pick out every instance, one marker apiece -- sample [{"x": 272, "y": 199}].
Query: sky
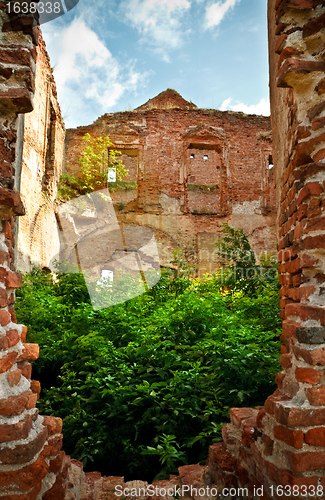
[{"x": 114, "y": 55}]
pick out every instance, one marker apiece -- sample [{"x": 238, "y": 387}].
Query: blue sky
[{"x": 114, "y": 55}]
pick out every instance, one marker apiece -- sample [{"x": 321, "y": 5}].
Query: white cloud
[
  {"x": 216, "y": 12},
  {"x": 86, "y": 73},
  {"x": 225, "y": 104},
  {"x": 262, "y": 108},
  {"x": 158, "y": 21}
]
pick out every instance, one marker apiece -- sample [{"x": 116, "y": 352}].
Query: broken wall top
[{"x": 169, "y": 98}]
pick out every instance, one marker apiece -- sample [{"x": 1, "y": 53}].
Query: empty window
[
  {"x": 192, "y": 156},
  {"x": 205, "y": 157}
]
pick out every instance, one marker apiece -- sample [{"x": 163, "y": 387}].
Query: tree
[
  {"x": 97, "y": 160},
  {"x": 240, "y": 270}
]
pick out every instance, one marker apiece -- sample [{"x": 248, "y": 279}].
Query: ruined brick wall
[
  {"x": 31, "y": 463},
  {"x": 42, "y": 159},
  {"x": 282, "y": 443},
  {"x": 195, "y": 169}
]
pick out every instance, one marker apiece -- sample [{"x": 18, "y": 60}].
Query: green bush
[
  {"x": 240, "y": 271},
  {"x": 149, "y": 382}
]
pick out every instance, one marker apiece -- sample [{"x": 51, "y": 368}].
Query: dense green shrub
[
  {"x": 159, "y": 371},
  {"x": 240, "y": 270}
]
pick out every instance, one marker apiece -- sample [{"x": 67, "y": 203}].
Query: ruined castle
[
  {"x": 191, "y": 170},
  {"x": 280, "y": 443}
]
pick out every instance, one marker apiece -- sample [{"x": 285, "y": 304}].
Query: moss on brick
[
  {"x": 122, "y": 186},
  {"x": 203, "y": 187}
]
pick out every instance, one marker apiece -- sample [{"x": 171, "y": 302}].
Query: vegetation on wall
[
  {"x": 203, "y": 187},
  {"x": 122, "y": 186},
  {"x": 145, "y": 386},
  {"x": 96, "y": 161}
]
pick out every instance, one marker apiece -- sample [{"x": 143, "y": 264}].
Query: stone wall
[
  {"x": 30, "y": 459},
  {"x": 42, "y": 160},
  {"x": 32, "y": 467},
  {"x": 282, "y": 443},
  {"x": 195, "y": 169}
]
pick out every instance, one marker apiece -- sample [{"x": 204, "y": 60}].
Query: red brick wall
[
  {"x": 30, "y": 458},
  {"x": 282, "y": 442},
  {"x": 130, "y": 161},
  {"x": 162, "y": 135},
  {"x": 234, "y": 184}
]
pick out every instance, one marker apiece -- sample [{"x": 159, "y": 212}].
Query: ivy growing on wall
[{"x": 97, "y": 160}]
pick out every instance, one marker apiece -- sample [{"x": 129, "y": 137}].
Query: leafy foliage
[
  {"x": 96, "y": 161},
  {"x": 148, "y": 383},
  {"x": 240, "y": 270},
  {"x": 168, "y": 451}
]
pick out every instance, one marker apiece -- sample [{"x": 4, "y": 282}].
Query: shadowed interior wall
[{"x": 42, "y": 159}]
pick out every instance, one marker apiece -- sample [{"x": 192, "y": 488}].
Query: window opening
[
  {"x": 49, "y": 171},
  {"x": 203, "y": 178}
]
